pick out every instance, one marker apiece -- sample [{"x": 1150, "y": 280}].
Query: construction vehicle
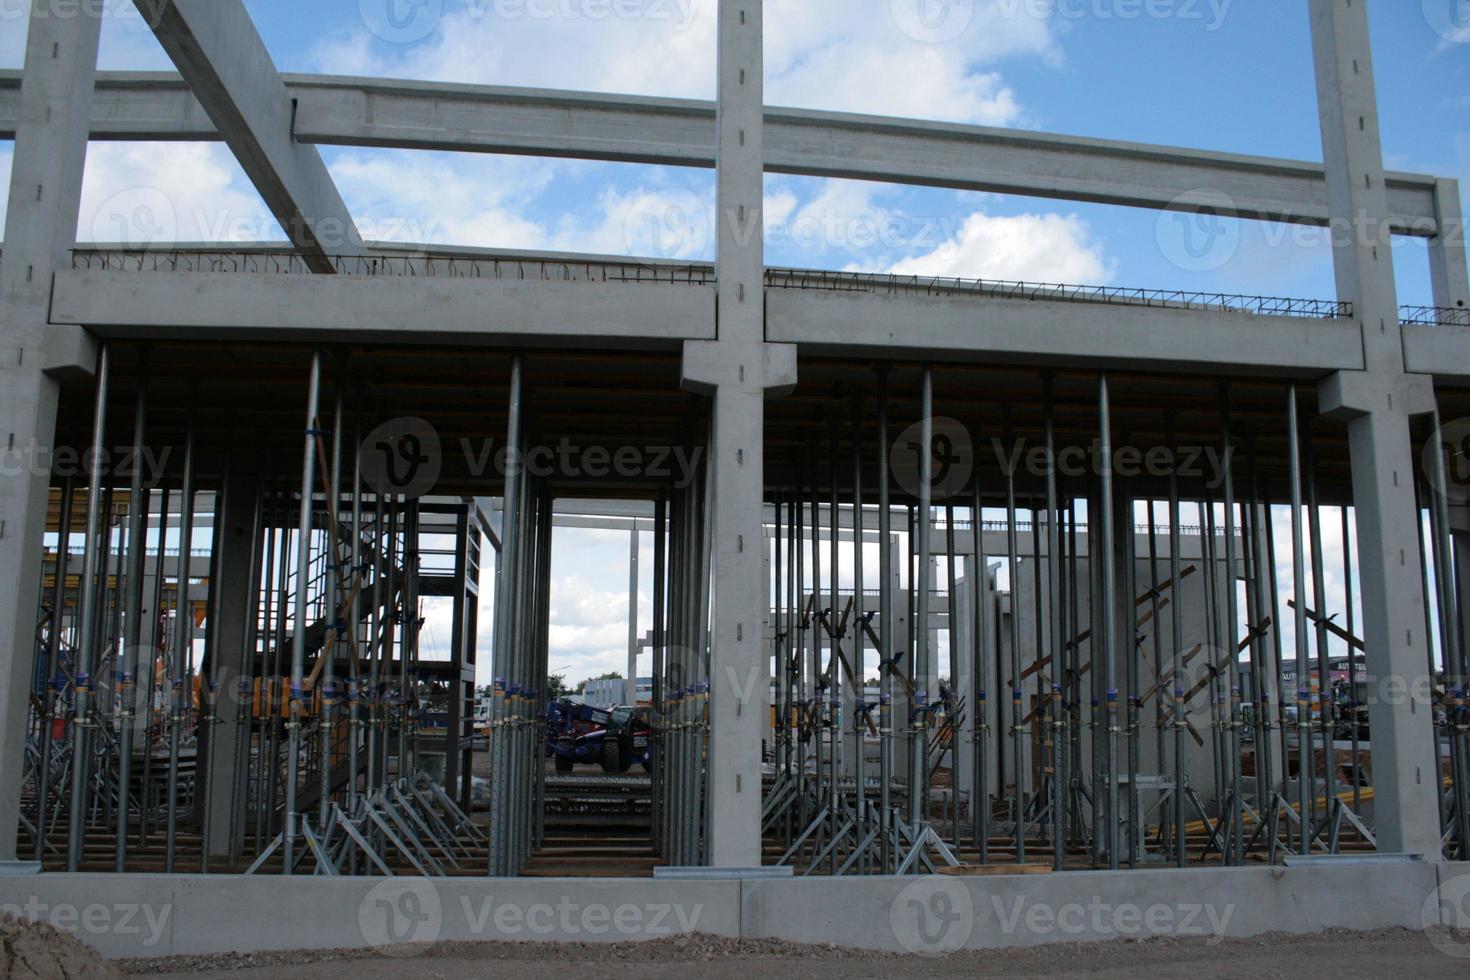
[{"x": 614, "y": 738}]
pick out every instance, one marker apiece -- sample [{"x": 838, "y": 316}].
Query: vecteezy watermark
[
  {"x": 147, "y": 217},
  {"x": 952, "y": 458},
  {"x": 400, "y": 916},
  {"x": 410, "y": 21},
  {"x": 1448, "y": 448},
  {"x": 1209, "y": 13},
  {"x": 1450, "y": 19},
  {"x": 144, "y": 920},
  {"x": 70, "y": 9},
  {"x": 1194, "y": 233},
  {"x": 1097, "y": 917},
  {"x": 405, "y": 456},
  {"x": 933, "y": 915},
  {"x": 932, "y": 21},
  {"x": 1446, "y": 917},
  {"x": 33, "y": 458},
  {"x": 1206, "y": 463},
  {"x": 674, "y": 223}
]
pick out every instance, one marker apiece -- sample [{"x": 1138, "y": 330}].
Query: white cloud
[
  {"x": 127, "y": 42},
  {"x": 163, "y": 193},
  {"x": 849, "y": 55},
  {"x": 1032, "y": 247}
]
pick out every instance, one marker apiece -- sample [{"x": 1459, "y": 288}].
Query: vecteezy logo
[
  {"x": 1451, "y": 444},
  {"x": 670, "y": 224},
  {"x": 139, "y": 217},
  {"x": 402, "y": 456},
  {"x": 401, "y": 21},
  {"x": 953, "y": 459},
  {"x": 398, "y": 915},
  {"x": 1194, "y": 232},
  {"x": 933, "y": 915},
  {"x": 1446, "y": 917},
  {"x": 932, "y": 21},
  {"x": 1450, "y": 19}
]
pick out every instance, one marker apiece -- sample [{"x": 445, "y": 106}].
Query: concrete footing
[{"x": 143, "y": 915}]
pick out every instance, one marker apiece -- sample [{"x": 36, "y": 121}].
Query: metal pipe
[
  {"x": 49, "y": 661},
  {"x": 178, "y": 674},
  {"x": 1018, "y": 794},
  {"x": 1109, "y": 615},
  {"x": 918, "y": 791},
  {"x": 137, "y": 551},
  {"x": 86, "y": 652},
  {"x": 1299, "y": 574},
  {"x": 298, "y": 635}
]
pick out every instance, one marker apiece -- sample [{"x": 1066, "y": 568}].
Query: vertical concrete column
[
  {"x": 40, "y": 227},
  {"x": 1378, "y": 404},
  {"x": 737, "y": 370},
  {"x": 235, "y": 534},
  {"x": 1447, "y": 267}
]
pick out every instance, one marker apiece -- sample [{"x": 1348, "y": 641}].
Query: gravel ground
[{"x": 1341, "y": 955}]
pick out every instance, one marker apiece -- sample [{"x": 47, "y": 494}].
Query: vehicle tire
[
  {"x": 612, "y": 757},
  {"x": 563, "y": 764}
]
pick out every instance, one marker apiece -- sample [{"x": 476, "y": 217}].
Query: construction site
[{"x": 965, "y": 592}]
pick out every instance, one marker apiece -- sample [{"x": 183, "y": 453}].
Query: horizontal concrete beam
[
  {"x": 1442, "y": 351},
  {"x": 221, "y": 56},
  {"x": 426, "y": 115},
  {"x": 383, "y": 310},
  {"x": 971, "y": 328}
]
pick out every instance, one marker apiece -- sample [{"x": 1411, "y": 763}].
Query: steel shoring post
[
  {"x": 245, "y": 685},
  {"x": 919, "y": 713},
  {"x": 886, "y": 615},
  {"x": 952, "y": 631},
  {"x": 80, "y": 776},
  {"x": 299, "y": 614},
  {"x": 835, "y": 674},
  {"x": 701, "y": 754},
  {"x": 1259, "y": 618},
  {"x": 133, "y": 626},
  {"x": 508, "y": 586},
  {"x": 354, "y": 690},
  {"x": 1298, "y": 567},
  {"x": 1073, "y": 653},
  {"x": 1131, "y": 675},
  {"x": 1054, "y": 625},
  {"x": 209, "y": 681},
  {"x": 1108, "y": 516},
  {"x": 859, "y": 621},
  {"x": 980, "y": 679},
  {"x": 1347, "y": 592},
  {"x": 658, "y": 789},
  {"x": 1325, "y": 699},
  {"x": 331, "y": 627},
  {"x": 178, "y": 673},
  {"x": 1232, "y": 628},
  {"x": 1178, "y": 706},
  {"x": 1450, "y": 641},
  {"x": 1278, "y": 665},
  {"x": 1018, "y": 799},
  {"x": 376, "y": 621},
  {"x": 48, "y": 667}
]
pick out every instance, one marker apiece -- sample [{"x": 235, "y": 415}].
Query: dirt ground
[{"x": 1341, "y": 955}]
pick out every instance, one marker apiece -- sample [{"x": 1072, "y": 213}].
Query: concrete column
[
  {"x": 1378, "y": 404},
  {"x": 235, "y": 533},
  {"x": 40, "y": 227},
  {"x": 1447, "y": 268}
]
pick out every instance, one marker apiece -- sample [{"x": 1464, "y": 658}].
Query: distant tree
[{"x": 556, "y": 687}]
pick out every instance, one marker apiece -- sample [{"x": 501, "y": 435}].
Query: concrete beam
[
  {"x": 968, "y": 328},
  {"x": 1442, "y": 351},
  {"x": 385, "y": 309},
  {"x": 220, "y": 55},
  {"x": 538, "y": 122}
]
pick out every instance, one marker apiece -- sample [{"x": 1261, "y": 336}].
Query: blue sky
[{"x": 1228, "y": 75}]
